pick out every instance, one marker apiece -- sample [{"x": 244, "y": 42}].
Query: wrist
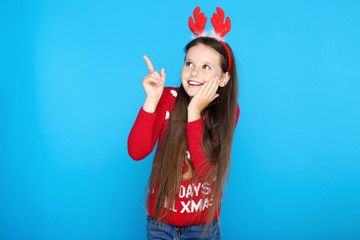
[
  {"x": 150, "y": 104},
  {"x": 192, "y": 108},
  {"x": 193, "y": 115}
]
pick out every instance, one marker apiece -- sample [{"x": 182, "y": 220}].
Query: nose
[{"x": 195, "y": 72}]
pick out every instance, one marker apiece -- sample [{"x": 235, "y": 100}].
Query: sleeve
[
  {"x": 195, "y": 131},
  {"x": 237, "y": 115},
  {"x": 146, "y": 131}
]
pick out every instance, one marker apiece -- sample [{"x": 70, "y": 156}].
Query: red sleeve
[
  {"x": 237, "y": 115},
  {"x": 195, "y": 131},
  {"x": 146, "y": 131}
]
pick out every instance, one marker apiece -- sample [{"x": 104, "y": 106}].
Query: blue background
[{"x": 70, "y": 90}]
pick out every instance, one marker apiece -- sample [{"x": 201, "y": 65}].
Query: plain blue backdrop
[{"x": 70, "y": 90}]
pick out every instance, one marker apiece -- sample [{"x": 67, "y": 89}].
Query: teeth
[{"x": 194, "y": 83}]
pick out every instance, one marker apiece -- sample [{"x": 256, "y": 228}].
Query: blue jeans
[{"x": 166, "y": 231}]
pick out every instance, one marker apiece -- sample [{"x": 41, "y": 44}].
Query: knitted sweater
[{"x": 193, "y": 199}]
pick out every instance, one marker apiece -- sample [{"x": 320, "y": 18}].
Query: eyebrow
[{"x": 207, "y": 63}]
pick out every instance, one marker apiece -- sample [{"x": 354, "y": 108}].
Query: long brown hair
[{"x": 219, "y": 125}]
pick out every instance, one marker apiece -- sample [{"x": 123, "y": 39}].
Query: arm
[
  {"x": 148, "y": 124},
  {"x": 146, "y": 131},
  {"x": 195, "y": 130}
]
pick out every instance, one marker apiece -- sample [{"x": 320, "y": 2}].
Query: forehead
[{"x": 203, "y": 53}]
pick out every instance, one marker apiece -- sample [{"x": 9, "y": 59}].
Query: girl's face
[{"x": 202, "y": 64}]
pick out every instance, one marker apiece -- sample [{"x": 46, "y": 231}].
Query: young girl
[{"x": 194, "y": 125}]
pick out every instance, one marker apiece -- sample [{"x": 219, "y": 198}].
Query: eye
[
  {"x": 206, "y": 67},
  {"x": 188, "y": 64}
]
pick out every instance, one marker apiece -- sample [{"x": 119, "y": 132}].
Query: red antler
[
  {"x": 217, "y": 21},
  {"x": 198, "y": 26}
]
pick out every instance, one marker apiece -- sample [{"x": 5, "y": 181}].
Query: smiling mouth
[{"x": 193, "y": 83}]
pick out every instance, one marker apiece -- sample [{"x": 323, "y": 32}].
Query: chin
[{"x": 190, "y": 91}]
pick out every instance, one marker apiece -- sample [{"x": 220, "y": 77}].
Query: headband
[{"x": 220, "y": 28}]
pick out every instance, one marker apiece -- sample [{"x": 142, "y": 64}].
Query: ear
[{"x": 224, "y": 79}]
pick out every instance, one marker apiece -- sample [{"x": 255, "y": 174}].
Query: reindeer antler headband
[{"x": 220, "y": 28}]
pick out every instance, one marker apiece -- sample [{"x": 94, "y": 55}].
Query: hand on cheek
[{"x": 203, "y": 98}]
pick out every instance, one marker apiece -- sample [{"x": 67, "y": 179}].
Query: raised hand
[
  {"x": 203, "y": 98},
  {"x": 153, "y": 84}
]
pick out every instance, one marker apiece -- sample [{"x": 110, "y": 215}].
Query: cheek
[
  {"x": 209, "y": 76},
  {"x": 182, "y": 75},
  {"x": 184, "y": 72}
]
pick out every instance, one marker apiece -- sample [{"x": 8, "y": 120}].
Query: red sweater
[{"x": 147, "y": 129}]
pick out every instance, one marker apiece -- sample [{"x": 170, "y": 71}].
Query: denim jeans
[{"x": 169, "y": 232}]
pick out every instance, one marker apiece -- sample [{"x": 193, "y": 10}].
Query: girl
[{"x": 194, "y": 125}]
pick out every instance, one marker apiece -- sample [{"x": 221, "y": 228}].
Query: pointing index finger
[{"x": 149, "y": 64}]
